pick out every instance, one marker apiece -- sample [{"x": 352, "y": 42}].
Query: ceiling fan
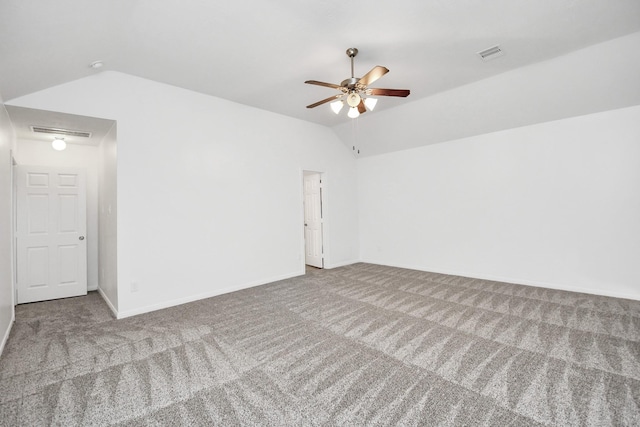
[{"x": 354, "y": 90}]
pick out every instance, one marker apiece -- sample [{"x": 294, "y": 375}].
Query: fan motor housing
[{"x": 350, "y": 83}]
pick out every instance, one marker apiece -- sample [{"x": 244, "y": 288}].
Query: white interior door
[
  {"x": 313, "y": 220},
  {"x": 51, "y": 249}
]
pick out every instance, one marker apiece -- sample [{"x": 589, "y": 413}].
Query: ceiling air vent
[
  {"x": 491, "y": 53},
  {"x": 59, "y": 131}
]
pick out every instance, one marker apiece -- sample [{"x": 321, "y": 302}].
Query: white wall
[
  {"x": 31, "y": 152},
  {"x": 555, "y": 204},
  {"x": 108, "y": 214},
  {"x": 209, "y": 192},
  {"x": 7, "y": 144}
]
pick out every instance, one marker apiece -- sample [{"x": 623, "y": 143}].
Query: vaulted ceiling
[{"x": 259, "y": 52}]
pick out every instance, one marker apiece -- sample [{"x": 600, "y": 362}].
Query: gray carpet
[{"x": 358, "y": 345}]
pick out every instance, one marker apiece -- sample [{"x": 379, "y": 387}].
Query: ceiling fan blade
[
  {"x": 324, "y": 101},
  {"x": 361, "y": 107},
  {"x": 373, "y": 75},
  {"x": 315, "y": 82},
  {"x": 389, "y": 92}
]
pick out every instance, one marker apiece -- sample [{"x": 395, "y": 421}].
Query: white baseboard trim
[
  {"x": 340, "y": 264},
  {"x": 184, "y": 300},
  {"x": 108, "y": 302},
  {"x": 497, "y": 278},
  {"x": 92, "y": 288},
  {"x": 5, "y": 338}
]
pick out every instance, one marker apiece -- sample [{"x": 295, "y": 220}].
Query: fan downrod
[{"x": 351, "y": 53}]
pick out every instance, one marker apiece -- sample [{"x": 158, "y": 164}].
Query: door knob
[{"x": 81, "y": 237}]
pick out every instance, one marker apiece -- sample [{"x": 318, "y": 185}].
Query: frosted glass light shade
[
  {"x": 337, "y": 106},
  {"x": 59, "y": 144},
  {"x": 353, "y": 112},
  {"x": 370, "y": 103}
]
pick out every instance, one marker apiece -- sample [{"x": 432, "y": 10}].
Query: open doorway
[{"x": 313, "y": 220}]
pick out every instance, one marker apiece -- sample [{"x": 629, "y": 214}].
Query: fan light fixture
[
  {"x": 354, "y": 89},
  {"x": 58, "y": 144},
  {"x": 337, "y": 106},
  {"x": 354, "y": 102},
  {"x": 353, "y": 112},
  {"x": 370, "y": 103}
]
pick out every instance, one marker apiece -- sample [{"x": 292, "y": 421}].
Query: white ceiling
[{"x": 259, "y": 52}]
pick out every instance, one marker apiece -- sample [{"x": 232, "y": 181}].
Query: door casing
[
  {"x": 313, "y": 219},
  {"x": 51, "y": 249}
]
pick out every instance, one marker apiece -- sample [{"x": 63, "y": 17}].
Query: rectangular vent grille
[
  {"x": 59, "y": 131},
  {"x": 491, "y": 53}
]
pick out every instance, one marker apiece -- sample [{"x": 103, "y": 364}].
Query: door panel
[
  {"x": 38, "y": 261},
  {"x": 68, "y": 261},
  {"x": 313, "y": 220},
  {"x": 68, "y": 214},
  {"x": 35, "y": 179},
  {"x": 67, "y": 180},
  {"x": 38, "y": 214},
  {"x": 51, "y": 252}
]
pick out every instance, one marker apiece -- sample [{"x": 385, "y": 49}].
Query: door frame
[
  {"x": 13, "y": 236},
  {"x": 15, "y": 233},
  {"x": 325, "y": 222}
]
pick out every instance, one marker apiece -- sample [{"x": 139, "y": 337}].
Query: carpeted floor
[{"x": 358, "y": 345}]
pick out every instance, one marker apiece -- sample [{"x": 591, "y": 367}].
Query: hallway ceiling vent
[
  {"x": 491, "y": 53},
  {"x": 59, "y": 131}
]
